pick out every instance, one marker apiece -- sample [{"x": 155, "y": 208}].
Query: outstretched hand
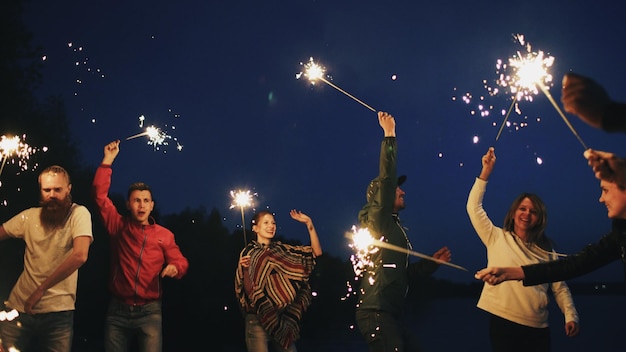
[
  {"x": 300, "y": 216},
  {"x": 495, "y": 276},
  {"x": 443, "y": 254}
]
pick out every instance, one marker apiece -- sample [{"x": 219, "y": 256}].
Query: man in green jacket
[{"x": 384, "y": 286}]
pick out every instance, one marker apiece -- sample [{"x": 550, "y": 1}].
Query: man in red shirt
[{"x": 142, "y": 252}]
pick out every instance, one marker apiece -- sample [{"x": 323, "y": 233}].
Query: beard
[{"x": 54, "y": 212}]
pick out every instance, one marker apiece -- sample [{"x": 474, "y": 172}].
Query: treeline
[{"x": 200, "y": 311}]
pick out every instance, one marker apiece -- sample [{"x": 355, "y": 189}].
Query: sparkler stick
[
  {"x": 381, "y": 244},
  {"x": 506, "y": 117},
  {"x": 414, "y": 253},
  {"x": 242, "y": 199},
  {"x": 154, "y": 133},
  {"x": 530, "y": 71},
  {"x": 314, "y": 72},
  {"x": 137, "y": 135},
  {"x": 545, "y": 91},
  {"x": 4, "y": 159}
]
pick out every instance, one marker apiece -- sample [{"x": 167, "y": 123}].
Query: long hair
[{"x": 536, "y": 234}]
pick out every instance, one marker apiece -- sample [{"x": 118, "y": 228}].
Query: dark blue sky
[{"x": 223, "y": 74}]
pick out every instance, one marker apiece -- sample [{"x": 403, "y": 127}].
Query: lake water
[{"x": 457, "y": 325}]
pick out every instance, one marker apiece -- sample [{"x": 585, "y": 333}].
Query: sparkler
[
  {"x": 316, "y": 72},
  {"x": 242, "y": 199},
  {"x": 154, "y": 133},
  {"x": 365, "y": 245},
  {"x": 530, "y": 74},
  {"x": 14, "y": 146},
  {"x": 156, "y": 136},
  {"x": 8, "y": 316}
]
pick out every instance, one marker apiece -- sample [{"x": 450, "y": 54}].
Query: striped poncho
[{"x": 280, "y": 291}]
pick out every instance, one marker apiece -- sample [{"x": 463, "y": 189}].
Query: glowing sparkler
[
  {"x": 8, "y": 316},
  {"x": 316, "y": 72},
  {"x": 242, "y": 199},
  {"x": 362, "y": 244},
  {"x": 156, "y": 136},
  {"x": 365, "y": 245},
  {"x": 530, "y": 74},
  {"x": 15, "y": 147}
]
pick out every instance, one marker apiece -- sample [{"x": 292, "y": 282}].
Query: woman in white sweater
[{"x": 518, "y": 313}]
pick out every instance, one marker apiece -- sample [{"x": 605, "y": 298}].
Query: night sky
[{"x": 224, "y": 75}]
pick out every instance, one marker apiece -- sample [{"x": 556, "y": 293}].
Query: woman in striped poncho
[{"x": 272, "y": 284}]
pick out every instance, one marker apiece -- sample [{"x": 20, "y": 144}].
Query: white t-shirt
[{"x": 45, "y": 251}]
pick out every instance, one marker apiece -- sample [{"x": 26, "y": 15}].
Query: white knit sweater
[{"x": 526, "y": 305}]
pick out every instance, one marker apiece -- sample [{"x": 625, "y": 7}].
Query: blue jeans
[
  {"x": 257, "y": 339},
  {"x": 125, "y": 322},
  {"x": 384, "y": 332},
  {"x": 52, "y": 332}
]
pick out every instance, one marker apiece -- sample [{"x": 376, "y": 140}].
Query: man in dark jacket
[{"x": 383, "y": 287}]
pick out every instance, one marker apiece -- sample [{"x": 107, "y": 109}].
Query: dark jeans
[
  {"x": 384, "y": 332},
  {"x": 125, "y": 322},
  {"x": 50, "y": 332},
  {"x": 507, "y": 336}
]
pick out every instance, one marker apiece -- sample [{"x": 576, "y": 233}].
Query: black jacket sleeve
[{"x": 594, "y": 256}]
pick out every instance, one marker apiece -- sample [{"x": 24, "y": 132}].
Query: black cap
[
  {"x": 373, "y": 187},
  {"x": 401, "y": 180}
]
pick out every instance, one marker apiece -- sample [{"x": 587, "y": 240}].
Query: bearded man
[{"x": 57, "y": 235}]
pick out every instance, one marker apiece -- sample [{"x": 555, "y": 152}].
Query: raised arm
[
  {"x": 110, "y": 152},
  {"x": 305, "y": 219},
  {"x": 488, "y": 161}
]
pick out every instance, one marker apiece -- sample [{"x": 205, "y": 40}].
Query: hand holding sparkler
[
  {"x": 607, "y": 166},
  {"x": 110, "y": 152},
  {"x": 156, "y": 137},
  {"x": 388, "y": 124},
  {"x": 489, "y": 161},
  {"x": 316, "y": 72},
  {"x": 585, "y": 98}
]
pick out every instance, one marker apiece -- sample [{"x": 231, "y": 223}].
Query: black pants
[{"x": 507, "y": 336}]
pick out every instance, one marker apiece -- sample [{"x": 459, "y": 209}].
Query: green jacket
[{"x": 384, "y": 286}]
